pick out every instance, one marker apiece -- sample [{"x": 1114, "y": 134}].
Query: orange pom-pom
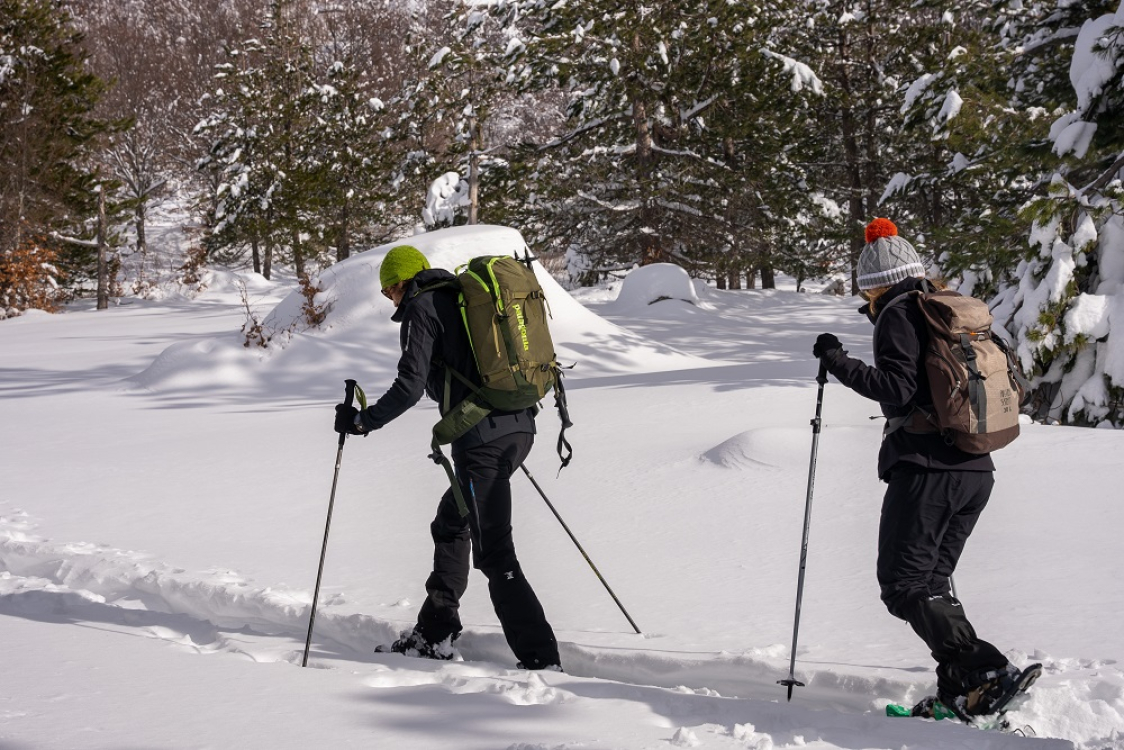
[{"x": 880, "y": 228}]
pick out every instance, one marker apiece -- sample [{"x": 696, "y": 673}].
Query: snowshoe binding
[
  {"x": 411, "y": 643},
  {"x": 993, "y": 696},
  {"x": 984, "y": 706}
]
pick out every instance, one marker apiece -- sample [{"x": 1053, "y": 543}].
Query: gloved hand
[
  {"x": 345, "y": 420},
  {"x": 826, "y": 346}
]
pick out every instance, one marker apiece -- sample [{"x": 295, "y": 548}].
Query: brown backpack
[{"x": 974, "y": 382}]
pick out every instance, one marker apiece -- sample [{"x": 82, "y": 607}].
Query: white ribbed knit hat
[{"x": 887, "y": 258}]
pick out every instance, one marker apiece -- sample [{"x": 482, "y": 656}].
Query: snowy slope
[{"x": 164, "y": 500}]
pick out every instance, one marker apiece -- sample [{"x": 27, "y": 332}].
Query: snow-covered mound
[
  {"x": 658, "y": 282},
  {"x": 358, "y": 340}
]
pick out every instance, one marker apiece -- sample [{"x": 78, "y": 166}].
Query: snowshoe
[
  {"x": 994, "y": 696},
  {"x": 544, "y": 667},
  {"x": 411, "y": 643},
  {"x": 984, "y": 707}
]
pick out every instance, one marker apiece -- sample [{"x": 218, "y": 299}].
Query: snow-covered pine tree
[
  {"x": 959, "y": 180},
  {"x": 260, "y": 126},
  {"x": 633, "y": 176},
  {"x": 353, "y": 157},
  {"x": 1065, "y": 302},
  {"x": 862, "y": 52},
  {"x": 48, "y": 132}
]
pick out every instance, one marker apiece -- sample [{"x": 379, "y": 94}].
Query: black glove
[
  {"x": 826, "y": 346},
  {"x": 345, "y": 420}
]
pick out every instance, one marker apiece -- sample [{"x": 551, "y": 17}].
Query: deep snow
[{"x": 164, "y": 498}]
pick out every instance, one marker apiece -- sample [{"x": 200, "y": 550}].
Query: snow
[
  {"x": 951, "y": 108},
  {"x": 165, "y": 497},
  {"x": 655, "y": 283},
  {"x": 1071, "y": 134},
  {"x": 446, "y": 197},
  {"x": 1090, "y": 70},
  {"x": 802, "y": 75}
]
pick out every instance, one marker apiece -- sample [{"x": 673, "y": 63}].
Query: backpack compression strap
[
  {"x": 455, "y": 423},
  {"x": 564, "y": 415}
]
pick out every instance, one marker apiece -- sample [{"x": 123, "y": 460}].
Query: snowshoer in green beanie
[{"x": 433, "y": 337}]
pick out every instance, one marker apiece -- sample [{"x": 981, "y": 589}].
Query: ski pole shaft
[
  {"x": 791, "y": 680},
  {"x": 349, "y": 396},
  {"x": 577, "y": 544}
]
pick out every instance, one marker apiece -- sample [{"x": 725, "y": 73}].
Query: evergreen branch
[
  {"x": 574, "y": 134},
  {"x": 1106, "y": 176},
  {"x": 74, "y": 240}
]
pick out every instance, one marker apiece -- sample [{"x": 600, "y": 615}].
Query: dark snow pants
[
  {"x": 484, "y": 472},
  {"x": 927, "y": 517}
]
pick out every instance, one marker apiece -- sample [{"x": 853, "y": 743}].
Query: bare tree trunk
[
  {"x": 298, "y": 255},
  {"x": 343, "y": 242},
  {"x": 720, "y": 280},
  {"x": 103, "y": 260},
  {"x": 139, "y": 217},
  {"x": 750, "y": 279},
  {"x": 651, "y": 250},
  {"x": 474, "y": 171},
  {"x": 735, "y": 279},
  {"x": 852, "y": 160},
  {"x": 255, "y": 251},
  {"x": 768, "y": 277}
]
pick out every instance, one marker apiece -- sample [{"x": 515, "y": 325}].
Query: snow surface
[{"x": 165, "y": 491}]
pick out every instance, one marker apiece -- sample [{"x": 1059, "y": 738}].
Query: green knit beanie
[{"x": 403, "y": 262}]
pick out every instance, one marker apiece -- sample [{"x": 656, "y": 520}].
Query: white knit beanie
[{"x": 887, "y": 258}]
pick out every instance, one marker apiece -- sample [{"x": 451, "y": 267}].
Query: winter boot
[
  {"x": 537, "y": 666},
  {"x": 411, "y": 643},
  {"x": 991, "y": 691}
]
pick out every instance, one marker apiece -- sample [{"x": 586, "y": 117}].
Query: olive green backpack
[{"x": 505, "y": 314}]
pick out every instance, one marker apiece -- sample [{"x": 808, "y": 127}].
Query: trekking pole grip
[
  {"x": 348, "y": 399},
  {"x": 821, "y": 378}
]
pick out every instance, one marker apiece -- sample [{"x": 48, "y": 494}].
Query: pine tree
[
  {"x": 1063, "y": 300},
  {"x": 261, "y": 145},
  {"x": 652, "y": 142},
  {"x": 862, "y": 52},
  {"x": 48, "y": 132}
]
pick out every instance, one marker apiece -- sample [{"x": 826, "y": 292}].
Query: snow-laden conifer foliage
[
  {"x": 48, "y": 130},
  {"x": 1065, "y": 301},
  {"x": 664, "y": 152},
  {"x": 736, "y": 139}
]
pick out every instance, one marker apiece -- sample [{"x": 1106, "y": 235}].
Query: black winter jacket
[
  {"x": 433, "y": 336},
  {"x": 899, "y": 383}
]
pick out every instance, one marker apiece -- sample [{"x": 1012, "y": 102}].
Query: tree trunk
[
  {"x": 343, "y": 241},
  {"x": 651, "y": 250},
  {"x": 852, "y": 160},
  {"x": 298, "y": 254},
  {"x": 750, "y": 279},
  {"x": 255, "y": 251},
  {"x": 267, "y": 260},
  {"x": 139, "y": 218},
  {"x": 768, "y": 277},
  {"x": 720, "y": 280},
  {"x": 735, "y": 279},
  {"x": 103, "y": 259},
  {"x": 474, "y": 172}
]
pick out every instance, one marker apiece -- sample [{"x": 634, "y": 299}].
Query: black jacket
[
  {"x": 899, "y": 383},
  {"x": 433, "y": 336}
]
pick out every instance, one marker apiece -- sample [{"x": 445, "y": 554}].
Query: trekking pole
[
  {"x": 791, "y": 680},
  {"x": 349, "y": 395},
  {"x": 578, "y": 545}
]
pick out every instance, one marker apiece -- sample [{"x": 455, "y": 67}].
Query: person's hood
[
  {"x": 905, "y": 286},
  {"x": 423, "y": 279}
]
